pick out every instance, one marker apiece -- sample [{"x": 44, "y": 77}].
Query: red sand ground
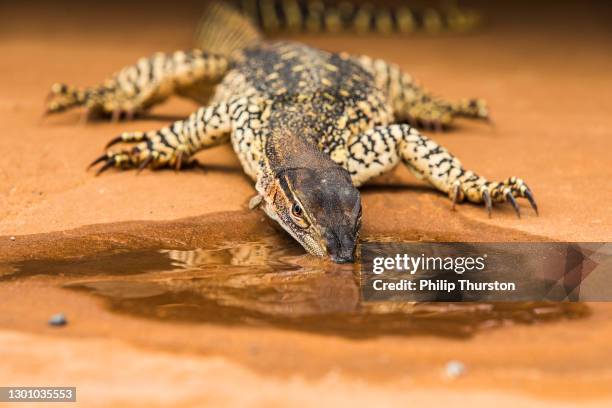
[{"x": 546, "y": 74}]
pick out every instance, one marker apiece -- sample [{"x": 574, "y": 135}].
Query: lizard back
[{"x": 323, "y": 97}]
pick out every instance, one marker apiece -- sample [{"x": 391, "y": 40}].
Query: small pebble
[
  {"x": 12, "y": 238},
  {"x": 454, "y": 369},
  {"x": 58, "y": 320}
]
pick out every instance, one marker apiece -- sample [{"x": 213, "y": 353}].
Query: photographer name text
[{"x": 421, "y": 264}]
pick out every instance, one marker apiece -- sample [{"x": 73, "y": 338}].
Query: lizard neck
[{"x": 292, "y": 143}]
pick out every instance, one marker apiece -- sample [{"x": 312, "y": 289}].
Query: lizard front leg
[
  {"x": 138, "y": 87},
  {"x": 173, "y": 145},
  {"x": 414, "y": 104},
  {"x": 380, "y": 149}
]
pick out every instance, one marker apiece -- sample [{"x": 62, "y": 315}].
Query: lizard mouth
[
  {"x": 313, "y": 246},
  {"x": 338, "y": 252},
  {"x": 343, "y": 259},
  {"x": 341, "y": 247}
]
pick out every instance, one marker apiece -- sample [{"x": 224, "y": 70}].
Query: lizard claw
[
  {"x": 129, "y": 114},
  {"x": 512, "y": 201},
  {"x": 455, "y": 194},
  {"x": 110, "y": 163},
  {"x": 531, "y": 200},
  {"x": 116, "y": 115},
  {"x": 98, "y": 160},
  {"x": 144, "y": 164},
  {"x": 86, "y": 115},
  {"x": 127, "y": 137},
  {"x": 123, "y": 159},
  {"x": 149, "y": 152},
  {"x": 486, "y": 196},
  {"x": 487, "y": 193},
  {"x": 438, "y": 127},
  {"x": 114, "y": 141}
]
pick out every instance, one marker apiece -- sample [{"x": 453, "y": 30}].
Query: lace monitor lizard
[{"x": 308, "y": 126}]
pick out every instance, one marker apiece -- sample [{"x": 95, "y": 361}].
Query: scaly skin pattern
[
  {"x": 361, "y": 17},
  {"x": 298, "y": 117},
  {"x": 138, "y": 87}
]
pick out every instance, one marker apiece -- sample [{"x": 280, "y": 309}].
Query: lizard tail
[
  {"x": 224, "y": 29},
  {"x": 355, "y": 16}
]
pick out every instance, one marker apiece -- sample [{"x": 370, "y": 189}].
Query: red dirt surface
[{"x": 544, "y": 71}]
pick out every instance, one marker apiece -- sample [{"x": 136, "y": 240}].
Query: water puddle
[{"x": 270, "y": 282}]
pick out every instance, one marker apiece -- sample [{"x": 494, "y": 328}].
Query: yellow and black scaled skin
[
  {"x": 318, "y": 16},
  {"x": 308, "y": 126}
]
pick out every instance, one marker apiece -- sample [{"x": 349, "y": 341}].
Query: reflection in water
[{"x": 271, "y": 282}]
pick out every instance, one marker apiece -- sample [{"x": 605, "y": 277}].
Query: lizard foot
[
  {"x": 478, "y": 191},
  {"x": 151, "y": 150},
  {"x": 107, "y": 100},
  {"x": 437, "y": 115},
  {"x": 473, "y": 108},
  {"x": 432, "y": 116}
]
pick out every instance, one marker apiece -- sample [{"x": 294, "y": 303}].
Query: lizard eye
[
  {"x": 297, "y": 210},
  {"x": 297, "y": 213}
]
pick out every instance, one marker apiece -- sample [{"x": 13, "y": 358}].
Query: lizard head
[{"x": 319, "y": 207}]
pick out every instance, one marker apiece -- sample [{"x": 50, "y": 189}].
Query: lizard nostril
[{"x": 341, "y": 249}]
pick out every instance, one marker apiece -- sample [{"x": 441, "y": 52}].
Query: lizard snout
[{"x": 341, "y": 246}]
